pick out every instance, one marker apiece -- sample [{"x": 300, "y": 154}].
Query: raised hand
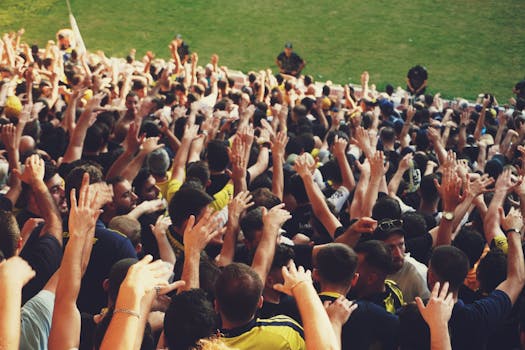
[
  {"x": 479, "y": 185},
  {"x": 150, "y": 144},
  {"x": 33, "y": 171},
  {"x": 339, "y": 310},
  {"x": 241, "y": 202},
  {"x": 197, "y": 236},
  {"x": 506, "y": 183},
  {"x": 438, "y": 310},
  {"x": 16, "y": 272},
  {"x": 405, "y": 162},
  {"x": 450, "y": 190},
  {"x": 513, "y": 220},
  {"x": 293, "y": 277},
  {"x": 340, "y": 147},
  {"x": 133, "y": 141},
  {"x": 377, "y": 164},
  {"x": 83, "y": 214},
  {"x": 9, "y": 137},
  {"x": 279, "y": 144},
  {"x": 274, "y": 218}
]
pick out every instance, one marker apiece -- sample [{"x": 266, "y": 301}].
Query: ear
[
  {"x": 354, "y": 280},
  {"x": 138, "y": 248},
  {"x": 105, "y": 285},
  {"x": 19, "y": 243},
  {"x": 260, "y": 303}
]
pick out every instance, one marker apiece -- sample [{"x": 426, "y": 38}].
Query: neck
[
  {"x": 428, "y": 207},
  {"x": 332, "y": 288},
  {"x": 271, "y": 296},
  {"x": 231, "y": 325}
]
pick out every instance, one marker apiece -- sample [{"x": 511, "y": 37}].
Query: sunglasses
[{"x": 387, "y": 225}]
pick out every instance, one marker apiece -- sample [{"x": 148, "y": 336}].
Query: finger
[
  {"x": 444, "y": 291},
  {"x": 72, "y": 197},
  {"x": 435, "y": 290},
  {"x": 420, "y": 305},
  {"x": 145, "y": 260}
]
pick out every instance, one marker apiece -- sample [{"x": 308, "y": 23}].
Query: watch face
[{"x": 448, "y": 215}]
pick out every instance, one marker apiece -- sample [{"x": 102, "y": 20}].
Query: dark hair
[
  {"x": 217, "y": 155},
  {"x": 9, "y": 233},
  {"x": 471, "y": 243},
  {"x": 386, "y": 208},
  {"x": 97, "y": 137},
  {"x": 265, "y": 198},
  {"x": 492, "y": 270},
  {"x": 140, "y": 180},
  {"x": 336, "y": 263},
  {"x": 238, "y": 291},
  {"x": 198, "y": 171},
  {"x": 74, "y": 178},
  {"x": 414, "y": 224},
  {"x": 427, "y": 189},
  {"x": 251, "y": 222},
  {"x": 296, "y": 188},
  {"x": 117, "y": 274},
  {"x": 376, "y": 255},
  {"x": 387, "y": 134},
  {"x": 283, "y": 254},
  {"x": 189, "y": 317},
  {"x": 186, "y": 202},
  {"x": 449, "y": 264}
]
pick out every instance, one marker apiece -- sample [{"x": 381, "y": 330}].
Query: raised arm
[
  {"x": 160, "y": 233},
  {"x": 378, "y": 170},
  {"x": 131, "y": 145},
  {"x": 512, "y": 286},
  {"x": 143, "y": 279},
  {"x": 318, "y": 331},
  {"x": 316, "y": 197},
  {"x": 481, "y": 120},
  {"x": 147, "y": 146},
  {"x": 436, "y": 314},
  {"x": 33, "y": 175},
  {"x": 403, "y": 166},
  {"x": 196, "y": 237},
  {"x": 76, "y": 141},
  {"x": 179, "y": 161},
  {"x": 278, "y": 153},
  {"x": 273, "y": 220},
  {"x": 15, "y": 272},
  {"x": 340, "y": 145},
  {"x": 241, "y": 202},
  {"x": 491, "y": 224},
  {"x": 65, "y": 329}
]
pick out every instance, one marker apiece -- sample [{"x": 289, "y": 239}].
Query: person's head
[
  {"x": 471, "y": 243},
  {"x": 74, "y": 178},
  {"x": 288, "y": 48},
  {"x": 374, "y": 264},
  {"x": 391, "y": 233},
  {"x": 189, "y": 318},
  {"x": 185, "y": 202},
  {"x": 336, "y": 266},
  {"x": 145, "y": 186},
  {"x": 97, "y": 137},
  {"x": 132, "y": 102},
  {"x": 447, "y": 264},
  {"x": 55, "y": 184},
  {"x": 198, "y": 171},
  {"x": 428, "y": 190},
  {"x": 252, "y": 226},
  {"x": 217, "y": 156},
  {"x": 264, "y": 197},
  {"x": 386, "y": 208},
  {"x": 158, "y": 162},
  {"x": 414, "y": 224},
  {"x": 124, "y": 199},
  {"x": 10, "y": 239},
  {"x": 238, "y": 292},
  {"x": 130, "y": 227},
  {"x": 492, "y": 270}
]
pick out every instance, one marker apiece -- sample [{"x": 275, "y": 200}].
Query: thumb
[
  {"x": 279, "y": 287},
  {"x": 420, "y": 305}
]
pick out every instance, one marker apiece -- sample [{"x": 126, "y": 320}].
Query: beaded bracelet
[{"x": 127, "y": 311}]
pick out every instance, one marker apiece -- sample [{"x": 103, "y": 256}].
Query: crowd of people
[{"x": 161, "y": 204}]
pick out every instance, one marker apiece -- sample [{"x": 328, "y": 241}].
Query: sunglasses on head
[{"x": 387, "y": 225}]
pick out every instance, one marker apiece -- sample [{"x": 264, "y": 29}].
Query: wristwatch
[{"x": 448, "y": 215}]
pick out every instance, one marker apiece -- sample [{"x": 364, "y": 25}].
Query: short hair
[
  {"x": 9, "y": 234},
  {"x": 297, "y": 189},
  {"x": 217, "y": 155},
  {"x": 198, "y": 171},
  {"x": 283, "y": 254},
  {"x": 387, "y": 134},
  {"x": 386, "y": 208},
  {"x": 376, "y": 255},
  {"x": 251, "y": 222},
  {"x": 185, "y": 202},
  {"x": 158, "y": 162},
  {"x": 74, "y": 178},
  {"x": 449, "y": 264},
  {"x": 336, "y": 263},
  {"x": 128, "y": 226},
  {"x": 117, "y": 274},
  {"x": 414, "y": 224},
  {"x": 471, "y": 243},
  {"x": 97, "y": 136},
  {"x": 265, "y": 198},
  {"x": 238, "y": 291},
  {"x": 189, "y": 318},
  {"x": 492, "y": 270},
  {"x": 428, "y": 189}
]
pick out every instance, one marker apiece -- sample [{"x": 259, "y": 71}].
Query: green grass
[{"x": 468, "y": 46}]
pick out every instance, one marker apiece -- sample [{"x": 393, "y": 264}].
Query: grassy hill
[{"x": 467, "y": 46}]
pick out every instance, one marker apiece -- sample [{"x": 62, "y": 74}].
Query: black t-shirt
[
  {"x": 43, "y": 254},
  {"x": 286, "y": 306},
  {"x": 108, "y": 248},
  {"x": 369, "y": 326},
  {"x": 217, "y": 183},
  {"x": 300, "y": 222},
  {"x": 290, "y": 64},
  {"x": 417, "y": 75}
]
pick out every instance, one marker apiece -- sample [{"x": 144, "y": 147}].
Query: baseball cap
[{"x": 288, "y": 45}]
